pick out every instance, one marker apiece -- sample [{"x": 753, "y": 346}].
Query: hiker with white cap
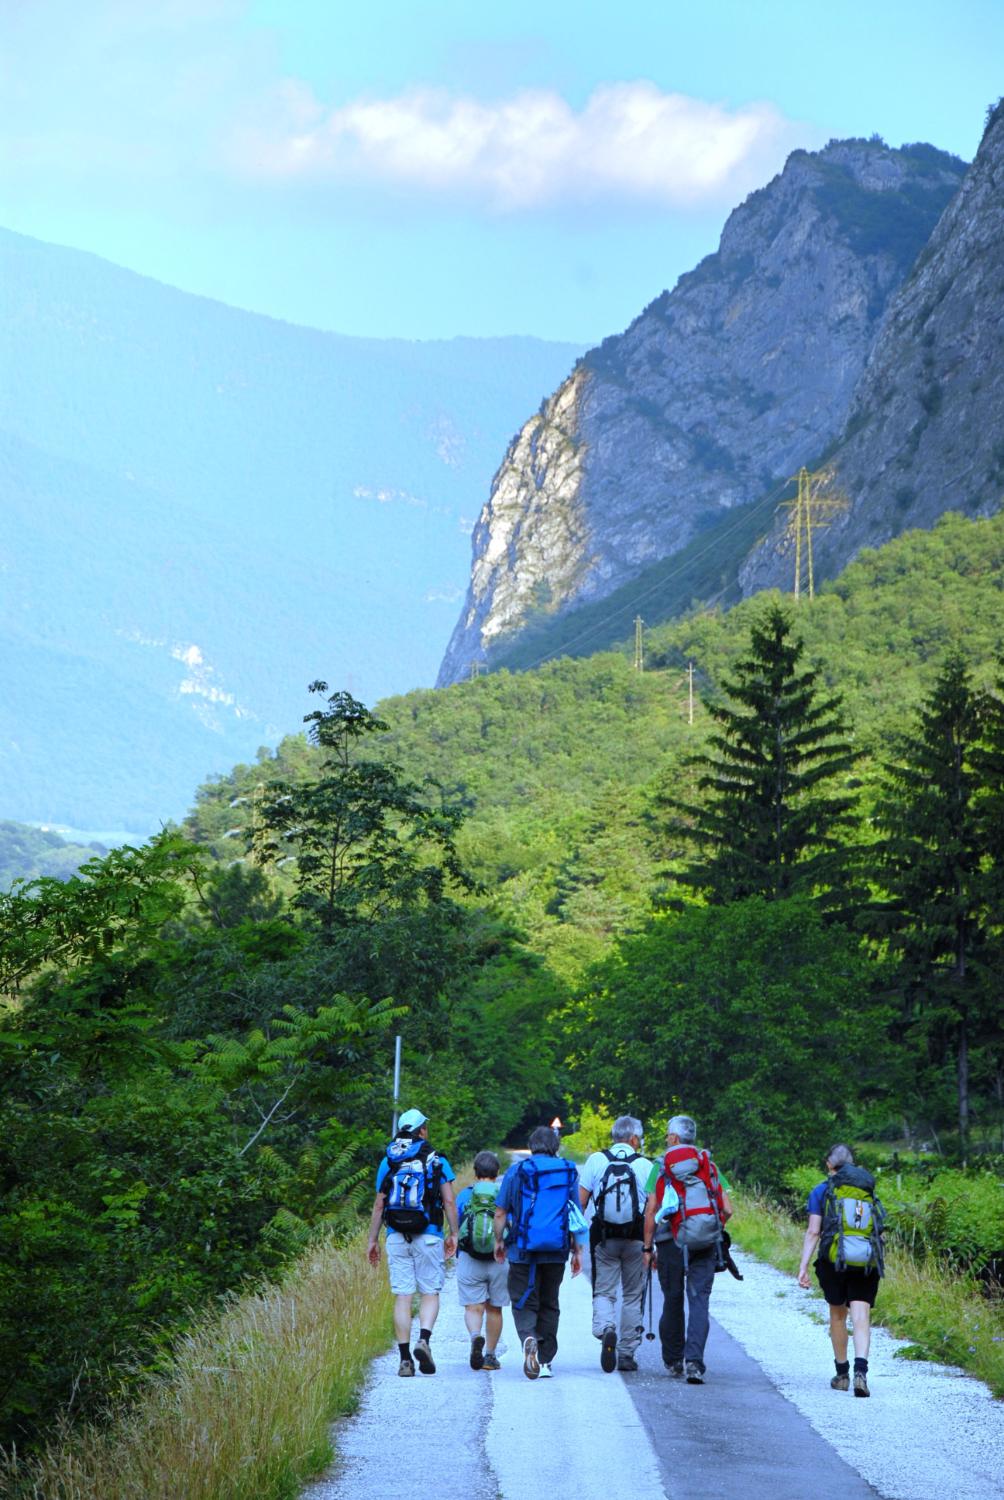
[{"x": 413, "y": 1194}]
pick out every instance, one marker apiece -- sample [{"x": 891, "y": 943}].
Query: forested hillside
[
  {"x": 27, "y": 852},
  {"x": 565, "y": 895},
  {"x": 556, "y": 766}
]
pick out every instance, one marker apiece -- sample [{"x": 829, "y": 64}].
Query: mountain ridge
[{"x": 714, "y": 393}]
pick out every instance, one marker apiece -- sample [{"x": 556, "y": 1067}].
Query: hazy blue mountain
[{"x": 204, "y": 509}]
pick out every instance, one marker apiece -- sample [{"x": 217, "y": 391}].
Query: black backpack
[
  {"x": 620, "y": 1213},
  {"x": 411, "y": 1188}
]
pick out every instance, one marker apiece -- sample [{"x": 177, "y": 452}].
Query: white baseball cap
[{"x": 412, "y": 1119}]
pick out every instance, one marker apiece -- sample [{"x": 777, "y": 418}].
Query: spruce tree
[
  {"x": 770, "y": 822},
  {"x": 932, "y": 868}
]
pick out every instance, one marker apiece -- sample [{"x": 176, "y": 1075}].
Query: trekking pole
[
  {"x": 646, "y": 1291},
  {"x": 650, "y": 1335}
]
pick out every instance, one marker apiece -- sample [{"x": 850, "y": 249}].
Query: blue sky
[{"x": 431, "y": 169}]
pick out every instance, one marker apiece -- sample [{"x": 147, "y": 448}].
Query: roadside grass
[
  {"x": 243, "y": 1410},
  {"x": 940, "y": 1310}
]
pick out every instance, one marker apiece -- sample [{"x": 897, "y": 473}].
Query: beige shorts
[
  {"x": 481, "y": 1281},
  {"x": 417, "y": 1266}
]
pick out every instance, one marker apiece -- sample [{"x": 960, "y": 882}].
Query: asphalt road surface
[{"x": 765, "y": 1423}]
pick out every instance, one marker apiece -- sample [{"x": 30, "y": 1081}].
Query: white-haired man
[
  {"x": 615, "y": 1182},
  {"x": 684, "y": 1243}
]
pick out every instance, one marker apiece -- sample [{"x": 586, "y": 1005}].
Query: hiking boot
[
  {"x": 546, "y": 1372},
  {"x": 695, "y": 1375},
  {"x": 423, "y": 1355},
  {"x": 531, "y": 1364},
  {"x": 608, "y": 1350},
  {"x": 675, "y": 1368},
  {"x": 627, "y": 1362},
  {"x": 477, "y": 1351},
  {"x": 406, "y": 1367},
  {"x": 490, "y": 1362},
  {"x": 861, "y": 1383},
  {"x": 840, "y": 1383}
]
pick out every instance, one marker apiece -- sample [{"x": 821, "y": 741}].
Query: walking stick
[
  {"x": 648, "y": 1288},
  {"x": 645, "y": 1290}
]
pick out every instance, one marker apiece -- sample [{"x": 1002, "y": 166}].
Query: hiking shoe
[
  {"x": 608, "y": 1350},
  {"x": 675, "y": 1369},
  {"x": 423, "y": 1354},
  {"x": 840, "y": 1383},
  {"x": 546, "y": 1372},
  {"x": 627, "y": 1362},
  {"x": 695, "y": 1375},
  {"x": 861, "y": 1383},
  {"x": 406, "y": 1367},
  {"x": 531, "y": 1364},
  {"x": 477, "y": 1351},
  {"x": 490, "y": 1362}
]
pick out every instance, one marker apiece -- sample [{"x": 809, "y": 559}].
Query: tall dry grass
[
  {"x": 944, "y": 1313},
  {"x": 244, "y": 1409}
]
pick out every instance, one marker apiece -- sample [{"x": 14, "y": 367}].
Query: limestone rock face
[
  {"x": 715, "y": 392},
  {"x": 924, "y": 432}
]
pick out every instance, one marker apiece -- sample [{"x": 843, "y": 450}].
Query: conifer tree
[
  {"x": 771, "y": 823},
  {"x": 932, "y": 867}
]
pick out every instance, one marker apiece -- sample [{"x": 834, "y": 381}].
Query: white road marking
[
  {"x": 550, "y": 1437},
  {"x": 495, "y": 1436}
]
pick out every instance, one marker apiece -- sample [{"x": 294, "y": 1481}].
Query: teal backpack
[
  {"x": 853, "y": 1222},
  {"x": 477, "y": 1227}
]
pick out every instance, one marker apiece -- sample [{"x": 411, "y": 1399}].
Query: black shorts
[{"x": 841, "y": 1287}]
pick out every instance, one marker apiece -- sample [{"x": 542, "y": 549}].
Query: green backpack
[
  {"x": 477, "y": 1227},
  {"x": 853, "y": 1222}
]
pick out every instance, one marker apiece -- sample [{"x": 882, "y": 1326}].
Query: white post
[{"x": 397, "y": 1082}]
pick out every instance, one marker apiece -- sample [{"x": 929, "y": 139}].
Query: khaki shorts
[
  {"x": 481, "y": 1281},
  {"x": 415, "y": 1267}
]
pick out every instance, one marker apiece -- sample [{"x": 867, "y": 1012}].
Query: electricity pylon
[
  {"x": 639, "y": 653},
  {"x": 810, "y": 511}
]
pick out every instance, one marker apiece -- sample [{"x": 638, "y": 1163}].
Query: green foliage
[
  {"x": 362, "y": 838},
  {"x": 752, "y": 1016},
  {"x": 769, "y": 822},
  {"x": 934, "y": 866}
]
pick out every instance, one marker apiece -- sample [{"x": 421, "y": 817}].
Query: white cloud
[
  {"x": 388, "y": 497},
  {"x": 631, "y": 141}
]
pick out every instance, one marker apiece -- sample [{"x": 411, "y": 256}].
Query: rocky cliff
[
  {"x": 744, "y": 372},
  {"x": 924, "y": 433}
]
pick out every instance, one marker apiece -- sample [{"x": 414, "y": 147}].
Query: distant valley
[{"x": 204, "y": 510}]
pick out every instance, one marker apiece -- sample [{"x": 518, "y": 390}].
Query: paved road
[{"x": 764, "y": 1424}]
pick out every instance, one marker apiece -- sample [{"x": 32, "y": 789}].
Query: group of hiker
[{"x": 514, "y": 1235}]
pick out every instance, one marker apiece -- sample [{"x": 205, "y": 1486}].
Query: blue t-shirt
[
  {"x": 448, "y": 1175},
  {"x": 817, "y": 1198},
  {"x": 508, "y": 1198}
]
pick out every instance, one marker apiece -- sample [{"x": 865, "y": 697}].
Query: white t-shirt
[{"x": 592, "y": 1173}]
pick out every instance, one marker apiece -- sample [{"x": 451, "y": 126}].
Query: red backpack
[{"x": 697, "y": 1223}]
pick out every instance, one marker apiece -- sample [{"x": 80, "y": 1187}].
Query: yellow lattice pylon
[{"x": 812, "y": 510}]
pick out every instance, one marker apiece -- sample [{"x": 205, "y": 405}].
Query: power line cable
[{"x": 638, "y": 599}]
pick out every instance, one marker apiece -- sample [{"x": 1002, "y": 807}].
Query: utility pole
[
  {"x": 809, "y": 511},
  {"x": 690, "y": 692},
  {"x": 639, "y": 656},
  {"x": 397, "y": 1083}
]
